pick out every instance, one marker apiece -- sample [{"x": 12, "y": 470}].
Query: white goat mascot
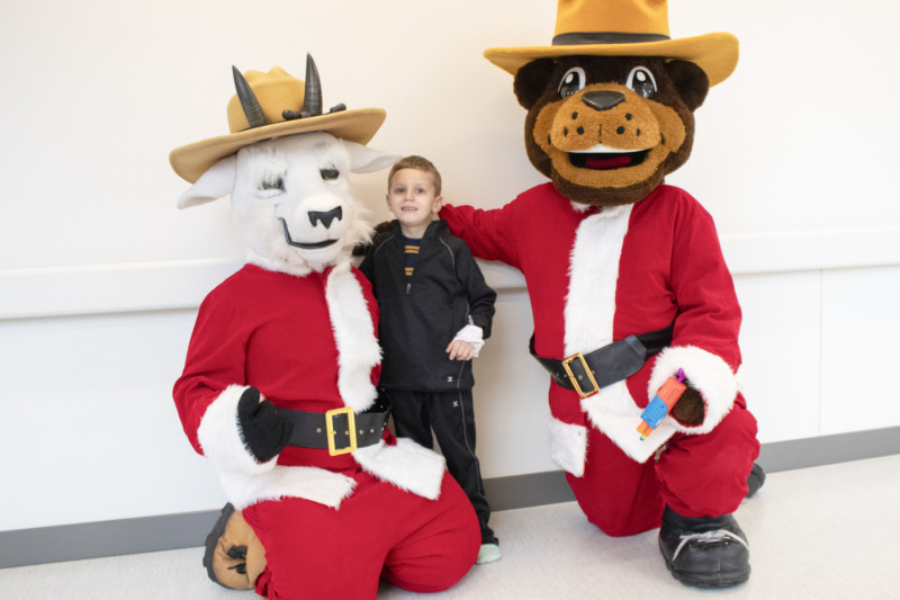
[
  {"x": 291, "y": 199},
  {"x": 278, "y": 389}
]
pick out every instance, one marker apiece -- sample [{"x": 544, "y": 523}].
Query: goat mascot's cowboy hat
[
  {"x": 623, "y": 28},
  {"x": 270, "y": 105}
]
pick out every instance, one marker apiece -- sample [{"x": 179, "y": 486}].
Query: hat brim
[
  {"x": 190, "y": 162},
  {"x": 715, "y": 53}
]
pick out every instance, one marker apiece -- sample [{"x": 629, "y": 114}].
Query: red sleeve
[
  {"x": 709, "y": 314},
  {"x": 215, "y": 360},
  {"x": 489, "y": 234}
]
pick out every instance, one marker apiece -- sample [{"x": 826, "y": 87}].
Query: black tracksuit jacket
[{"x": 420, "y": 317}]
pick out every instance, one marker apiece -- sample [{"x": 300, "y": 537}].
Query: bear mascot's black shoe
[
  {"x": 755, "y": 480},
  {"x": 707, "y": 552}
]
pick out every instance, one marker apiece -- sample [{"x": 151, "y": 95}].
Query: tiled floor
[{"x": 826, "y": 532}]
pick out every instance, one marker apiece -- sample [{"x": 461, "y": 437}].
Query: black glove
[{"x": 264, "y": 432}]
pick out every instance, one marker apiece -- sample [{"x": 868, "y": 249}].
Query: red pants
[
  {"x": 316, "y": 552},
  {"x": 697, "y": 475}
]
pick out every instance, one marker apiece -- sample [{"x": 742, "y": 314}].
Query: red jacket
[
  {"x": 595, "y": 277},
  {"x": 307, "y": 343}
]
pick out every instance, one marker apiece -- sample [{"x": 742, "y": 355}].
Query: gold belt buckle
[
  {"x": 351, "y": 424},
  {"x": 574, "y": 378}
]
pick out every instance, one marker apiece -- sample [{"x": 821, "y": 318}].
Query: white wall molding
[
  {"x": 173, "y": 285},
  {"x": 758, "y": 253},
  {"x": 112, "y": 288}
]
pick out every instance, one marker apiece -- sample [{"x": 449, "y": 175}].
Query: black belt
[
  {"x": 340, "y": 430},
  {"x": 587, "y": 373}
]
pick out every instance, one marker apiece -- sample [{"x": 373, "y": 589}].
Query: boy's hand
[{"x": 461, "y": 350}]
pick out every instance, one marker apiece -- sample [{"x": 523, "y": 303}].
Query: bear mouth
[{"x": 604, "y": 161}]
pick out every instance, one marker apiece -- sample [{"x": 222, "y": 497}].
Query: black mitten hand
[{"x": 264, "y": 432}]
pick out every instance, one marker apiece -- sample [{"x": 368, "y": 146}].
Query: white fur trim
[
  {"x": 614, "y": 412},
  {"x": 472, "y": 334},
  {"x": 708, "y": 373},
  {"x": 590, "y": 311},
  {"x": 220, "y": 436},
  {"x": 568, "y": 446},
  {"x": 407, "y": 465},
  {"x": 593, "y": 274},
  {"x": 309, "y": 483},
  {"x": 354, "y": 334}
]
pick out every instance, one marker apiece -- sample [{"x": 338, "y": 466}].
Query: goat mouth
[
  {"x": 303, "y": 245},
  {"x": 604, "y": 161}
]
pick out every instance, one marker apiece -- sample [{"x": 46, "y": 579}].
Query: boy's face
[{"x": 412, "y": 201}]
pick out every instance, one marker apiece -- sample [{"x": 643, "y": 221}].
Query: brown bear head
[{"x": 607, "y": 130}]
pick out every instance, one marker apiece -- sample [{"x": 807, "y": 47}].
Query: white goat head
[{"x": 291, "y": 198}]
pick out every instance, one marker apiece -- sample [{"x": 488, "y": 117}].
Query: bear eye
[
  {"x": 573, "y": 81},
  {"x": 641, "y": 81},
  {"x": 329, "y": 174}
]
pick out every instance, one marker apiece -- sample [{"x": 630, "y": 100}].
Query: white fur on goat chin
[{"x": 296, "y": 185}]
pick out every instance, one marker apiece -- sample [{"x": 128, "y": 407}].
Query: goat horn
[
  {"x": 252, "y": 110},
  {"x": 312, "y": 96}
]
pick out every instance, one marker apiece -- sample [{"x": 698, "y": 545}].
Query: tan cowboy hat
[
  {"x": 623, "y": 28},
  {"x": 270, "y": 105}
]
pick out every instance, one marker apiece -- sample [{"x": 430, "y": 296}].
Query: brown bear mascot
[{"x": 629, "y": 291}]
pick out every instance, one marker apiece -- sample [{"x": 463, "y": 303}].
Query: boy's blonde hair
[{"x": 420, "y": 164}]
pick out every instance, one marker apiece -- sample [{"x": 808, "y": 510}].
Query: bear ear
[
  {"x": 690, "y": 81},
  {"x": 532, "y": 80}
]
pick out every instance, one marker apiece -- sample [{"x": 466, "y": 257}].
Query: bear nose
[{"x": 603, "y": 99}]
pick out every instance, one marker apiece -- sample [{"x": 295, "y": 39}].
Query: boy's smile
[{"x": 411, "y": 199}]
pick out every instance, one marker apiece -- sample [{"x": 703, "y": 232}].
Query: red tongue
[{"x": 622, "y": 160}]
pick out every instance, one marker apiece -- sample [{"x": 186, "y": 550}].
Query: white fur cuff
[
  {"x": 220, "y": 436},
  {"x": 708, "y": 373}
]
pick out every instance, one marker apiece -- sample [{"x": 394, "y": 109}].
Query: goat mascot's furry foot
[
  {"x": 628, "y": 286},
  {"x": 234, "y": 558},
  {"x": 278, "y": 389}
]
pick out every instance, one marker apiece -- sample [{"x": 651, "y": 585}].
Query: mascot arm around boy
[{"x": 628, "y": 286}]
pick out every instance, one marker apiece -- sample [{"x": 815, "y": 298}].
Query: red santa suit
[
  {"x": 331, "y": 525},
  {"x": 596, "y": 276}
]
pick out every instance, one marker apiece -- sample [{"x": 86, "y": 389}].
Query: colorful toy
[
  {"x": 627, "y": 280},
  {"x": 278, "y": 389},
  {"x": 663, "y": 401}
]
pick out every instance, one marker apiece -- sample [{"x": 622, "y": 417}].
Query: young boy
[{"x": 436, "y": 309}]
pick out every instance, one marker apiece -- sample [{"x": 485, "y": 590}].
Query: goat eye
[
  {"x": 272, "y": 184},
  {"x": 641, "y": 81},
  {"x": 329, "y": 174},
  {"x": 573, "y": 81}
]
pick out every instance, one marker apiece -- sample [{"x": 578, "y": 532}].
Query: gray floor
[{"x": 824, "y": 532}]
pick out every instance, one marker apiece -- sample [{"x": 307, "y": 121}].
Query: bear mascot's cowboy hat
[
  {"x": 278, "y": 389},
  {"x": 635, "y": 313}
]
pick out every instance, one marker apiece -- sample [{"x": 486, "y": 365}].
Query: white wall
[{"x": 100, "y": 274}]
